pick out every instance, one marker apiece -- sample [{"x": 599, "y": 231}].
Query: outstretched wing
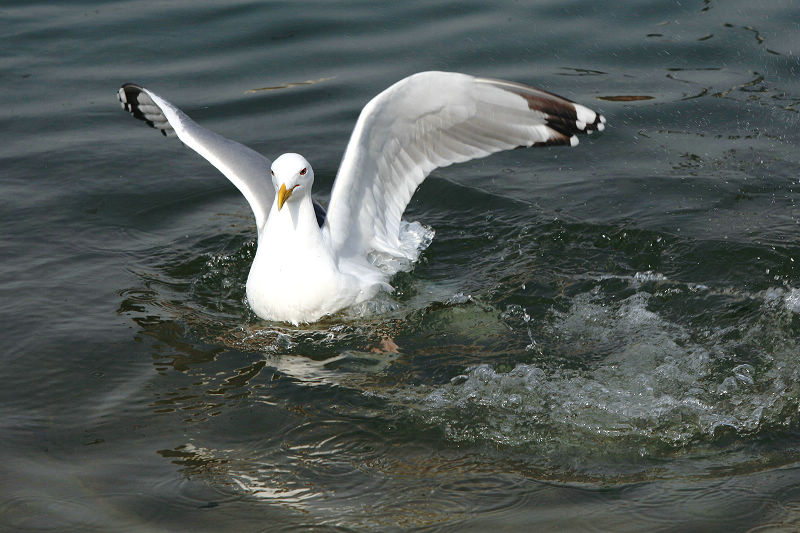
[
  {"x": 246, "y": 169},
  {"x": 430, "y": 120}
]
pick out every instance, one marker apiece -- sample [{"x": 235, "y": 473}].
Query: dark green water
[{"x": 598, "y": 338}]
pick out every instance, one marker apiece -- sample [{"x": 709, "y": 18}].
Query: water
[{"x": 599, "y": 338}]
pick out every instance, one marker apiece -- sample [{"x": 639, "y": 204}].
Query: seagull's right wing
[{"x": 248, "y": 170}]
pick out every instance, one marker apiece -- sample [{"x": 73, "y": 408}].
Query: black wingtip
[
  {"x": 135, "y": 100},
  {"x": 565, "y": 118},
  {"x": 128, "y": 96}
]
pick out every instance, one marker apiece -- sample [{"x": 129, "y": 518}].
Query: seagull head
[{"x": 292, "y": 177}]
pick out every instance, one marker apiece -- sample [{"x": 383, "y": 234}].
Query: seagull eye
[
  {"x": 303, "y": 172},
  {"x": 272, "y": 172}
]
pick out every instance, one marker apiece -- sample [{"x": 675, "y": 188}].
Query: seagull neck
[{"x": 294, "y": 219}]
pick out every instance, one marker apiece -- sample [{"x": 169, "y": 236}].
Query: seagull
[{"x": 310, "y": 262}]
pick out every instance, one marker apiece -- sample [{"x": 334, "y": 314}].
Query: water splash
[
  {"x": 414, "y": 239},
  {"x": 639, "y": 381}
]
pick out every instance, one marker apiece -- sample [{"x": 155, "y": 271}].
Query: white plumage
[{"x": 304, "y": 270}]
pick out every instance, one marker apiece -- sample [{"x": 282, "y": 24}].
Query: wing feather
[
  {"x": 430, "y": 120},
  {"x": 245, "y": 168}
]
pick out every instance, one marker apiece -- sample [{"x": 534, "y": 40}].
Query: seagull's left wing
[
  {"x": 245, "y": 168},
  {"x": 430, "y": 120}
]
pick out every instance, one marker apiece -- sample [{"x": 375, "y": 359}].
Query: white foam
[
  {"x": 459, "y": 298},
  {"x": 649, "y": 276},
  {"x": 414, "y": 239},
  {"x": 654, "y": 381},
  {"x": 792, "y": 300}
]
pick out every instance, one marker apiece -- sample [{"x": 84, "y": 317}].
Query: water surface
[{"x": 598, "y": 338}]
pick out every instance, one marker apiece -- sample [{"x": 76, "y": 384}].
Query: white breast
[{"x": 294, "y": 276}]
